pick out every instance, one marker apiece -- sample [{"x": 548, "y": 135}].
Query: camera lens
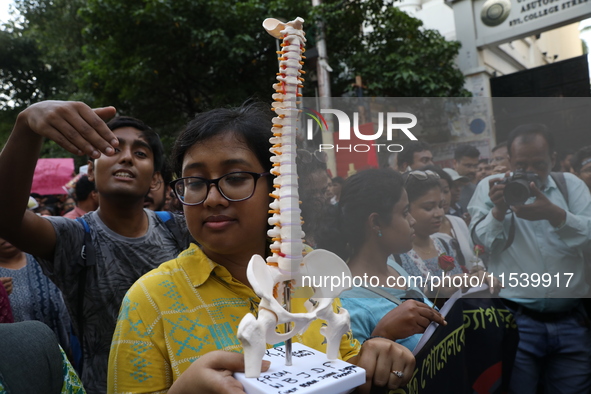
[{"x": 516, "y": 192}]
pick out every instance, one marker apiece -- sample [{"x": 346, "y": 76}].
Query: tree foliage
[
  {"x": 392, "y": 51},
  {"x": 168, "y": 59},
  {"x": 39, "y": 55},
  {"x": 164, "y": 60},
  {"x": 24, "y": 75},
  {"x": 45, "y": 44}
]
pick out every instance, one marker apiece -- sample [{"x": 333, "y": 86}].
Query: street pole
[{"x": 323, "y": 70}]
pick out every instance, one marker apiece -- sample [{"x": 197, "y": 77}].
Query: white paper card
[{"x": 310, "y": 373}]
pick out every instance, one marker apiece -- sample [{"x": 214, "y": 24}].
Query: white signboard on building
[{"x": 498, "y": 21}]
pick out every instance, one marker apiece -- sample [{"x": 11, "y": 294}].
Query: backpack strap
[
  {"x": 511, "y": 235},
  {"x": 445, "y": 245},
  {"x": 168, "y": 219},
  {"x": 560, "y": 181},
  {"x": 88, "y": 255},
  {"x": 165, "y": 216},
  {"x": 385, "y": 294},
  {"x": 455, "y": 245}
]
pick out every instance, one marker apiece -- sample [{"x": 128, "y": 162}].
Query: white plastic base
[{"x": 310, "y": 373}]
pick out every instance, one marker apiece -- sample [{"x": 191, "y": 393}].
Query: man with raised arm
[{"x": 94, "y": 260}]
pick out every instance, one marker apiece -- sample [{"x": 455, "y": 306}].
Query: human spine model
[
  {"x": 286, "y": 265},
  {"x": 287, "y": 232}
]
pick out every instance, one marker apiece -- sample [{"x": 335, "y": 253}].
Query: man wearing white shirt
[{"x": 543, "y": 238}]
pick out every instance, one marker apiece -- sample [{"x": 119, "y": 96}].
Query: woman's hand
[
  {"x": 386, "y": 363},
  {"x": 212, "y": 374},
  {"x": 409, "y": 318},
  {"x": 7, "y": 283}
]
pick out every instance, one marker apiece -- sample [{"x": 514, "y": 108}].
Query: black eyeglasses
[
  {"x": 420, "y": 175},
  {"x": 234, "y": 186}
]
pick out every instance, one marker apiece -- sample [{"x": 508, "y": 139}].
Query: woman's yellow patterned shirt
[{"x": 180, "y": 311}]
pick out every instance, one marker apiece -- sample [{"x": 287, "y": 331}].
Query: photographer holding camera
[{"x": 536, "y": 225}]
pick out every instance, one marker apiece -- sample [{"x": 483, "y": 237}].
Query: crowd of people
[{"x": 152, "y": 297}]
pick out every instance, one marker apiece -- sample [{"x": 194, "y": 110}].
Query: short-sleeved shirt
[
  {"x": 180, "y": 311},
  {"x": 74, "y": 213},
  {"x": 117, "y": 263}
]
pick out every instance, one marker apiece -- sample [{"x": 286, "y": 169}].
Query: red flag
[{"x": 355, "y": 151}]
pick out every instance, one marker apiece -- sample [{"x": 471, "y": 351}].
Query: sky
[{"x": 4, "y": 5}]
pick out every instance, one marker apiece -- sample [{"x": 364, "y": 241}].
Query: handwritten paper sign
[
  {"x": 310, "y": 373},
  {"x": 51, "y": 175}
]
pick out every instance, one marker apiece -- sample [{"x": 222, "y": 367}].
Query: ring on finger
[{"x": 400, "y": 374}]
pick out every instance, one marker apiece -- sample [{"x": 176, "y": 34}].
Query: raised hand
[
  {"x": 541, "y": 209},
  {"x": 73, "y": 125},
  {"x": 495, "y": 193}
]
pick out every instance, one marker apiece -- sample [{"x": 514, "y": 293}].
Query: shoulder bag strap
[{"x": 384, "y": 293}]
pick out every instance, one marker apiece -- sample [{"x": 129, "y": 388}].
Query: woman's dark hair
[
  {"x": 250, "y": 122},
  {"x": 52, "y": 209},
  {"x": 416, "y": 186},
  {"x": 367, "y": 192}
]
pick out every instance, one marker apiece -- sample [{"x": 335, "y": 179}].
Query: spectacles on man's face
[
  {"x": 421, "y": 175},
  {"x": 234, "y": 186}
]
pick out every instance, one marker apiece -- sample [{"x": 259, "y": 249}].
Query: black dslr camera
[{"x": 517, "y": 189}]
